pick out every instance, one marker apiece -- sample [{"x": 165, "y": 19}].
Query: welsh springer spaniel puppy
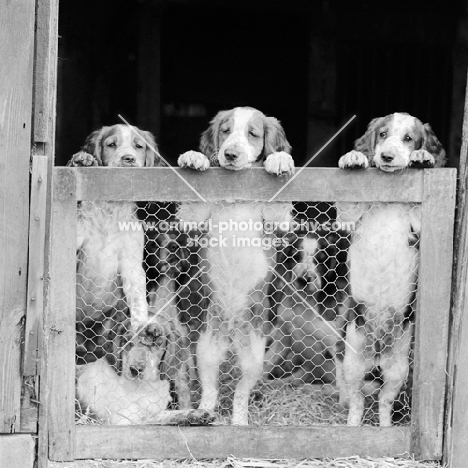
[
  {"x": 110, "y": 274},
  {"x": 237, "y": 259},
  {"x": 241, "y": 138},
  {"x": 383, "y": 261},
  {"x": 395, "y": 142},
  {"x": 130, "y": 384}
]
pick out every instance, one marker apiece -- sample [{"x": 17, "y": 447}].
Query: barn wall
[{"x": 16, "y": 85}]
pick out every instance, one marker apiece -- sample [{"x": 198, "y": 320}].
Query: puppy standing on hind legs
[
  {"x": 110, "y": 273},
  {"x": 237, "y": 274},
  {"x": 383, "y": 262}
]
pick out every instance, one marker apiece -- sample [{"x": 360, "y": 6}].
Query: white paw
[
  {"x": 82, "y": 159},
  {"x": 279, "y": 163},
  {"x": 194, "y": 160},
  {"x": 421, "y": 158},
  {"x": 353, "y": 160}
]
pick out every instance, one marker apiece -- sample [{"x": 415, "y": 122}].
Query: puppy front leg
[
  {"x": 211, "y": 350},
  {"x": 193, "y": 160},
  {"x": 251, "y": 355},
  {"x": 354, "y": 369}
]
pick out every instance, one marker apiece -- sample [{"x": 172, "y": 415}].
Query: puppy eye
[
  {"x": 382, "y": 134},
  {"x": 111, "y": 144},
  {"x": 408, "y": 138},
  {"x": 138, "y": 146},
  {"x": 225, "y": 130},
  {"x": 253, "y": 134}
]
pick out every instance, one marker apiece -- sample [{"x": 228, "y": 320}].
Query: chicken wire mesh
[{"x": 332, "y": 294}]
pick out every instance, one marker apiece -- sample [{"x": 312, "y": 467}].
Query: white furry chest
[
  {"x": 237, "y": 261},
  {"x": 102, "y": 222},
  {"x": 383, "y": 266},
  {"x": 104, "y": 229}
]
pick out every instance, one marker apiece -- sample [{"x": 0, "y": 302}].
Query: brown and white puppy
[
  {"x": 394, "y": 142},
  {"x": 130, "y": 385},
  {"x": 110, "y": 273},
  {"x": 383, "y": 264},
  {"x": 237, "y": 262},
  {"x": 241, "y": 138}
]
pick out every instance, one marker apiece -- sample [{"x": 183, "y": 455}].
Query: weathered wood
[
  {"x": 17, "y": 451},
  {"x": 61, "y": 317},
  {"x": 16, "y": 51},
  {"x": 45, "y": 90},
  {"x": 139, "y": 442},
  {"x": 163, "y": 184},
  {"x": 37, "y": 228},
  {"x": 45, "y": 70},
  {"x": 456, "y": 428},
  {"x": 432, "y": 317}
]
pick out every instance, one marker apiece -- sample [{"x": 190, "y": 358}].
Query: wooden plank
[
  {"x": 456, "y": 429},
  {"x": 139, "y": 442},
  {"x": 16, "y": 50},
  {"x": 37, "y": 228},
  {"x": 317, "y": 184},
  {"x": 17, "y": 451},
  {"x": 45, "y": 87},
  {"x": 60, "y": 323},
  {"x": 432, "y": 317},
  {"x": 45, "y": 70}
]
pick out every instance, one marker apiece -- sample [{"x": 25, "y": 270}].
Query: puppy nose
[
  {"x": 231, "y": 155},
  {"x": 137, "y": 369},
  {"x": 128, "y": 159},
  {"x": 387, "y": 157}
]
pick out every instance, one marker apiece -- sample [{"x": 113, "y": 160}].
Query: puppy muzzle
[
  {"x": 125, "y": 156},
  {"x": 392, "y": 155},
  {"x": 234, "y": 156}
]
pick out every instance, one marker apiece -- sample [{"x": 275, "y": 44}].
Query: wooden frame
[
  {"x": 456, "y": 426},
  {"x": 434, "y": 188}
]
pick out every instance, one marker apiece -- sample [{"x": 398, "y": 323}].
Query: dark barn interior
[{"x": 169, "y": 65}]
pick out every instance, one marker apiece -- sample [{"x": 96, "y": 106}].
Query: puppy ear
[
  {"x": 93, "y": 144},
  {"x": 274, "y": 137},
  {"x": 153, "y": 158},
  {"x": 176, "y": 353},
  {"x": 366, "y": 143},
  {"x": 208, "y": 143},
  {"x": 432, "y": 145},
  {"x": 115, "y": 339},
  {"x": 209, "y": 140}
]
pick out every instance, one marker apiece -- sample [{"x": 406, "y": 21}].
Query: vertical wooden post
[
  {"x": 45, "y": 90},
  {"x": 432, "y": 316},
  {"x": 37, "y": 229},
  {"x": 60, "y": 319},
  {"x": 456, "y": 428},
  {"x": 16, "y": 85}
]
